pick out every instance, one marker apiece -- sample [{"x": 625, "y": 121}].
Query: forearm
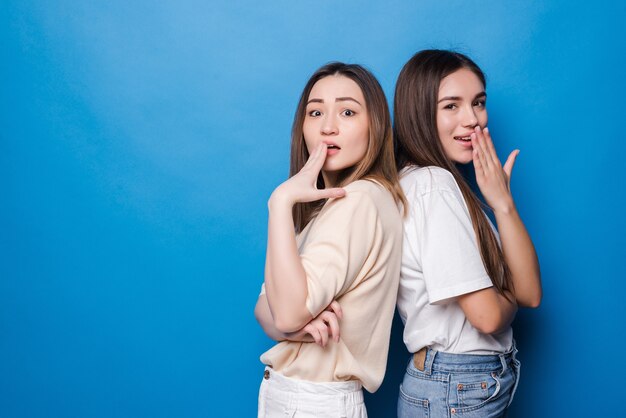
[
  {"x": 487, "y": 310},
  {"x": 520, "y": 256},
  {"x": 508, "y": 310},
  {"x": 285, "y": 278},
  {"x": 264, "y": 317}
]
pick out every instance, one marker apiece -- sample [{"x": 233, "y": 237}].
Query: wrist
[
  {"x": 505, "y": 207},
  {"x": 279, "y": 200}
]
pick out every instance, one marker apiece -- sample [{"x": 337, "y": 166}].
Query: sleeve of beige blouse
[{"x": 338, "y": 248}]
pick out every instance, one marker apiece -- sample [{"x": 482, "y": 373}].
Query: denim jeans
[
  {"x": 285, "y": 397},
  {"x": 459, "y": 385}
]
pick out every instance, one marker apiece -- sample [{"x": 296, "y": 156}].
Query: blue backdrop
[{"x": 139, "y": 142}]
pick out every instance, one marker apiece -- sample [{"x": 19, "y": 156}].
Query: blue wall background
[{"x": 139, "y": 142}]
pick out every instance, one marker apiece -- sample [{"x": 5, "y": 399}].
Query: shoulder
[
  {"x": 362, "y": 197},
  {"x": 368, "y": 191},
  {"x": 369, "y": 187},
  {"x": 418, "y": 181}
]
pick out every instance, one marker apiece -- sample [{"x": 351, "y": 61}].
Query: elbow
[
  {"x": 488, "y": 327},
  {"x": 257, "y": 313},
  {"x": 533, "y": 302},
  {"x": 292, "y": 320},
  {"x": 287, "y": 324},
  {"x": 490, "y": 324}
]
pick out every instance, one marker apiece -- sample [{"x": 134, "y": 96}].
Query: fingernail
[{"x": 486, "y": 130}]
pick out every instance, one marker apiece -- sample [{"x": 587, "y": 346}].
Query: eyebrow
[
  {"x": 338, "y": 99},
  {"x": 456, "y": 98}
]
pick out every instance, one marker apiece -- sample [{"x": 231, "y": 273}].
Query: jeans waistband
[{"x": 427, "y": 360}]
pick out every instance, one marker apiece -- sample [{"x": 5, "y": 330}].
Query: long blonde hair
[{"x": 378, "y": 163}]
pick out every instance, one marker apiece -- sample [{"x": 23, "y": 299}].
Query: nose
[
  {"x": 329, "y": 125},
  {"x": 470, "y": 120}
]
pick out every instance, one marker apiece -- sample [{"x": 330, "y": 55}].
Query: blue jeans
[{"x": 463, "y": 385}]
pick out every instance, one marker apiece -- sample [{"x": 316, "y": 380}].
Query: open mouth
[
  {"x": 332, "y": 146},
  {"x": 463, "y": 138}
]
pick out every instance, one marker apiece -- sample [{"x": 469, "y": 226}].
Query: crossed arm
[{"x": 282, "y": 311}]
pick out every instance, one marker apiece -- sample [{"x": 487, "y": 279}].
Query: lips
[
  {"x": 331, "y": 148},
  {"x": 463, "y": 138}
]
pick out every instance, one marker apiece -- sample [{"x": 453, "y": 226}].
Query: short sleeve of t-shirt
[
  {"x": 451, "y": 260},
  {"x": 337, "y": 247}
]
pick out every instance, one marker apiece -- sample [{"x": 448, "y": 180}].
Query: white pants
[{"x": 281, "y": 397}]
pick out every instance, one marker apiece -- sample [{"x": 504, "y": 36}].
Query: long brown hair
[
  {"x": 378, "y": 163},
  {"x": 417, "y": 142}
]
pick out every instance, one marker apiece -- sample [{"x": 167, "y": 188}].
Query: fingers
[
  {"x": 317, "y": 158},
  {"x": 331, "y": 193},
  {"x": 336, "y": 308},
  {"x": 479, "y": 152},
  {"x": 489, "y": 147},
  {"x": 314, "y": 157},
  {"x": 478, "y": 167},
  {"x": 483, "y": 148},
  {"x": 312, "y": 330},
  {"x": 331, "y": 321},
  {"x": 508, "y": 165}
]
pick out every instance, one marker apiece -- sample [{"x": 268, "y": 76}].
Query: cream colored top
[{"x": 351, "y": 252}]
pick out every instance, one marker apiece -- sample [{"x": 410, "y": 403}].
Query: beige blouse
[{"x": 351, "y": 252}]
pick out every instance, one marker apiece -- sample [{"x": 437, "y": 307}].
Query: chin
[{"x": 464, "y": 158}]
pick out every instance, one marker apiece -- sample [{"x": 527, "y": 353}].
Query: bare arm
[
  {"x": 487, "y": 310},
  {"x": 318, "y": 330},
  {"x": 264, "y": 317},
  {"x": 285, "y": 278},
  {"x": 519, "y": 252}
]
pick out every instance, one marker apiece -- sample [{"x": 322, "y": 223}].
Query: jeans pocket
[
  {"x": 475, "y": 390},
  {"x": 412, "y": 407}
]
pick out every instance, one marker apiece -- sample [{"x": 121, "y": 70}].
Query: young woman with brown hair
[
  {"x": 333, "y": 252},
  {"x": 461, "y": 280}
]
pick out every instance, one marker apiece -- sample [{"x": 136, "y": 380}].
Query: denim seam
[
  {"x": 483, "y": 403},
  {"x": 438, "y": 377},
  {"x": 412, "y": 400}
]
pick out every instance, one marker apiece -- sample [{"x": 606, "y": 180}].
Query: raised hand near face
[
  {"x": 302, "y": 187},
  {"x": 493, "y": 179}
]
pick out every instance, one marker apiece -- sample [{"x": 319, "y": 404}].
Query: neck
[{"x": 330, "y": 179}]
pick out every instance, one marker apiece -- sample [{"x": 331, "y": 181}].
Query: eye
[
  {"x": 481, "y": 103},
  {"x": 314, "y": 113},
  {"x": 450, "y": 106},
  {"x": 348, "y": 112}
]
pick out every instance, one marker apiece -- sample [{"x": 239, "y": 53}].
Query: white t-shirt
[{"x": 441, "y": 261}]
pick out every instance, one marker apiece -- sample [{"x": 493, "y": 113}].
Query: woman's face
[
  {"x": 460, "y": 108},
  {"x": 336, "y": 115}
]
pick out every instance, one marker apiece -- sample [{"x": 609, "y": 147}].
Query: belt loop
[
  {"x": 430, "y": 358},
  {"x": 503, "y": 361}
]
